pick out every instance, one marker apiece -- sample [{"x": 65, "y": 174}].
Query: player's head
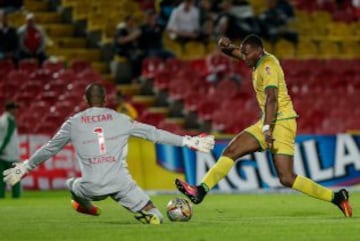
[
  {"x": 95, "y": 94},
  {"x": 11, "y": 107},
  {"x": 252, "y": 49}
]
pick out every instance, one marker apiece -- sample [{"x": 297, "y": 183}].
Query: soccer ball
[{"x": 179, "y": 210}]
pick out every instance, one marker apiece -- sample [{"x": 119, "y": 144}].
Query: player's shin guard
[
  {"x": 217, "y": 172},
  {"x": 152, "y": 216}
]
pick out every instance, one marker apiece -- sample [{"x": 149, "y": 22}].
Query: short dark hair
[
  {"x": 11, "y": 105},
  {"x": 253, "y": 40},
  {"x": 95, "y": 94}
]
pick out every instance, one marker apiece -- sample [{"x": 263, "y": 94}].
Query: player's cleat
[
  {"x": 341, "y": 199},
  {"x": 195, "y": 193},
  {"x": 147, "y": 218},
  {"x": 94, "y": 210}
]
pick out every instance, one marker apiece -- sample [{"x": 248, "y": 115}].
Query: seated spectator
[
  {"x": 11, "y": 5},
  {"x": 184, "y": 22},
  {"x": 8, "y": 39},
  {"x": 151, "y": 38},
  {"x": 164, "y": 9},
  {"x": 274, "y": 23},
  {"x": 32, "y": 40},
  {"x": 236, "y": 21},
  {"x": 286, "y": 8},
  {"x": 207, "y": 19},
  {"x": 126, "y": 43},
  {"x": 122, "y": 106}
]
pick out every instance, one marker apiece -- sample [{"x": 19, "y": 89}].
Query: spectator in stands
[
  {"x": 356, "y": 5},
  {"x": 236, "y": 21},
  {"x": 184, "y": 22},
  {"x": 164, "y": 8},
  {"x": 151, "y": 38},
  {"x": 32, "y": 40},
  {"x": 286, "y": 8},
  {"x": 207, "y": 19},
  {"x": 11, "y": 5},
  {"x": 9, "y": 146},
  {"x": 123, "y": 106},
  {"x": 274, "y": 23},
  {"x": 126, "y": 43},
  {"x": 8, "y": 39}
]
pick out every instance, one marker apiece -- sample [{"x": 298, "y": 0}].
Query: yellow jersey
[
  {"x": 268, "y": 73},
  {"x": 127, "y": 109}
]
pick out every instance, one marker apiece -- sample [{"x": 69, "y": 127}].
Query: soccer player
[
  {"x": 9, "y": 145},
  {"x": 275, "y": 131},
  {"x": 100, "y": 136}
]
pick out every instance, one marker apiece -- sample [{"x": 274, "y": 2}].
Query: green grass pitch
[{"x": 47, "y": 216}]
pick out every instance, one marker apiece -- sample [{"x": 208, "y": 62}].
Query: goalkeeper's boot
[
  {"x": 92, "y": 210},
  {"x": 341, "y": 199},
  {"x": 147, "y": 218},
  {"x": 195, "y": 193}
]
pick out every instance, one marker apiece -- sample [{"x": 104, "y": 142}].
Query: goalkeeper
[
  {"x": 275, "y": 131},
  {"x": 100, "y": 136}
]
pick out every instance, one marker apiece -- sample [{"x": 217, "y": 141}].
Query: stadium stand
[{"x": 321, "y": 67}]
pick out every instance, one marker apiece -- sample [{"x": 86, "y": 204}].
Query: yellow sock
[
  {"x": 309, "y": 187},
  {"x": 218, "y": 171}
]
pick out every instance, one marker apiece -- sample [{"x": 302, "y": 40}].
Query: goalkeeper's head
[{"x": 95, "y": 95}]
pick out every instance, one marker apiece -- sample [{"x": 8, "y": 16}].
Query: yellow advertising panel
[{"x": 144, "y": 168}]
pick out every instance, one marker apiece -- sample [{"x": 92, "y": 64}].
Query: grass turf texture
[{"x": 291, "y": 216}]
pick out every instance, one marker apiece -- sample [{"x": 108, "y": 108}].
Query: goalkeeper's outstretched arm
[
  {"x": 53, "y": 146},
  {"x": 228, "y": 48}
]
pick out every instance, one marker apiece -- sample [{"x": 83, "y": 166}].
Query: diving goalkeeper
[{"x": 100, "y": 137}]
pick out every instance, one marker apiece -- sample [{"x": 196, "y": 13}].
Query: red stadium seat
[
  {"x": 88, "y": 76},
  {"x": 6, "y": 66},
  {"x": 151, "y": 118},
  {"x": 45, "y": 127},
  {"x": 53, "y": 66},
  {"x": 206, "y": 109},
  {"x": 66, "y": 75},
  {"x": 64, "y": 107},
  {"x": 199, "y": 66},
  {"x": 151, "y": 66},
  {"x": 28, "y": 65},
  {"x": 226, "y": 89},
  {"x": 175, "y": 65},
  {"x": 172, "y": 127},
  {"x": 80, "y": 65},
  {"x": 49, "y": 97},
  {"x": 42, "y": 76},
  {"x": 162, "y": 80}
]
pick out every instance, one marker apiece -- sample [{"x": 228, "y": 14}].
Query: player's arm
[
  {"x": 228, "y": 48},
  {"x": 271, "y": 105},
  {"x": 201, "y": 143},
  {"x": 53, "y": 146}
]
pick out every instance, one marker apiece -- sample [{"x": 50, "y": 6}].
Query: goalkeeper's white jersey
[{"x": 100, "y": 137}]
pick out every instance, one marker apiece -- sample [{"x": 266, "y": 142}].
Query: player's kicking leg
[
  {"x": 81, "y": 205},
  {"x": 341, "y": 200},
  {"x": 195, "y": 193}
]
